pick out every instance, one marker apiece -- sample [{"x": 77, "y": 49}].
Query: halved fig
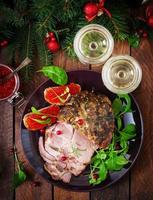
[
  {"x": 42, "y": 118},
  {"x": 74, "y": 88},
  {"x": 60, "y": 95}
]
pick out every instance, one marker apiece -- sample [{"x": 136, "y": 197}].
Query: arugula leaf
[
  {"x": 115, "y": 162},
  {"x": 19, "y": 178},
  {"x": 130, "y": 128},
  {"x": 103, "y": 172},
  {"x": 35, "y": 111},
  {"x": 117, "y": 106},
  {"x": 56, "y": 74},
  {"x": 47, "y": 121},
  {"x": 119, "y": 123},
  {"x": 126, "y": 107},
  {"x": 121, "y": 160}
]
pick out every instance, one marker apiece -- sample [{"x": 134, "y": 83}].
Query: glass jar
[
  {"x": 93, "y": 44},
  {"x": 121, "y": 74},
  {"x": 9, "y": 89}
]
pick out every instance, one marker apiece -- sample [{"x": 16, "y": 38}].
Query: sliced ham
[{"x": 65, "y": 151}]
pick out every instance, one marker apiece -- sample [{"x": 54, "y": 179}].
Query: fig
[
  {"x": 60, "y": 95},
  {"x": 38, "y": 119}
]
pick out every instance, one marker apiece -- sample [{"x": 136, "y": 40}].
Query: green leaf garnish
[
  {"x": 20, "y": 176},
  {"x": 126, "y": 105},
  {"x": 117, "y": 106},
  {"x": 47, "y": 121},
  {"x": 56, "y": 74},
  {"x": 35, "y": 111}
]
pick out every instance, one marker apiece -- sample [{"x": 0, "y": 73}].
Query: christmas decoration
[
  {"x": 3, "y": 43},
  {"x": 23, "y": 25},
  {"x": 53, "y": 45},
  {"x": 92, "y": 10},
  {"x": 51, "y": 42}
]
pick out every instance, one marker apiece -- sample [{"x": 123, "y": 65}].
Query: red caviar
[{"x": 6, "y": 88}]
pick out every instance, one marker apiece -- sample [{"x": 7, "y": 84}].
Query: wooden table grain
[{"x": 136, "y": 185}]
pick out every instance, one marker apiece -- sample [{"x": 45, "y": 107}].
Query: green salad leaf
[
  {"x": 56, "y": 74},
  {"x": 113, "y": 158}
]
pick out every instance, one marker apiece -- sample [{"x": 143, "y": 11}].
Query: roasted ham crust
[{"x": 95, "y": 113}]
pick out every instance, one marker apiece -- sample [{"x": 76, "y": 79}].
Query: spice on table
[{"x": 6, "y": 89}]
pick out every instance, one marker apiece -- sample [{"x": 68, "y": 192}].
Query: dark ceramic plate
[{"x": 88, "y": 80}]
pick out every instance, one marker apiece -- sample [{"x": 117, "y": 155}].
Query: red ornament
[
  {"x": 3, "y": 43},
  {"x": 149, "y": 11},
  {"x": 145, "y": 34},
  {"x": 53, "y": 45},
  {"x": 91, "y": 10},
  {"x": 150, "y": 21}
]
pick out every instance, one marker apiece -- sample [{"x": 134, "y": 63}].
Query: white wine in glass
[{"x": 121, "y": 74}]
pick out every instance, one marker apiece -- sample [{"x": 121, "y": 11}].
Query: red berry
[
  {"x": 80, "y": 121},
  {"x": 63, "y": 158},
  {"x": 59, "y": 132},
  {"x": 51, "y": 34},
  {"x": 42, "y": 131},
  {"x": 53, "y": 46},
  {"x": 91, "y": 9},
  {"x": 150, "y": 21},
  {"x": 3, "y": 43}
]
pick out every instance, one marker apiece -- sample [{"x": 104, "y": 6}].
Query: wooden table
[{"x": 136, "y": 185}]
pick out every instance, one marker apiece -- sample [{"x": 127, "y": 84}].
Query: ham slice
[{"x": 65, "y": 151}]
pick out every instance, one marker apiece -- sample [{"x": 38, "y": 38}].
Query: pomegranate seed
[
  {"x": 63, "y": 158},
  {"x": 80, "y": 121},
  {"x": 95, "y": 176},
  {"x": 42, "y": 131},
  {"x": 59, "y": 132}
]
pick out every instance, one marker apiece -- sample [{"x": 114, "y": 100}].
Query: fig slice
[
  {"x": 42, "y": 118},
  {"x": 60, "y": 95}
]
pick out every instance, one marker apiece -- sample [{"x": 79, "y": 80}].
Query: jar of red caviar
[{"x": 9, "y": 89}]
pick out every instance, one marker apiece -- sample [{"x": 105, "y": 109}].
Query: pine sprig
[{"x": 25, "y": 24}]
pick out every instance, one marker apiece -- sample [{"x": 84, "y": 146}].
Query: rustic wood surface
[{"x": 136, "y": 185}]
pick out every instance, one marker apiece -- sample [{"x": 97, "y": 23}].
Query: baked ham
[
  {"x": 91, "y": 114},
  {"x": 65, "y": 151}
]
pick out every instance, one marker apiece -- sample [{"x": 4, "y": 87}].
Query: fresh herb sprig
[
  {"x": 20, "y": 176},
  {"x": 114, "y": 157}
]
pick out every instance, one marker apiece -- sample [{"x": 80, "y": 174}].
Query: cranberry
[
  {"x": 59, "y": 132},
  {"x": 80, "y": 121}
]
